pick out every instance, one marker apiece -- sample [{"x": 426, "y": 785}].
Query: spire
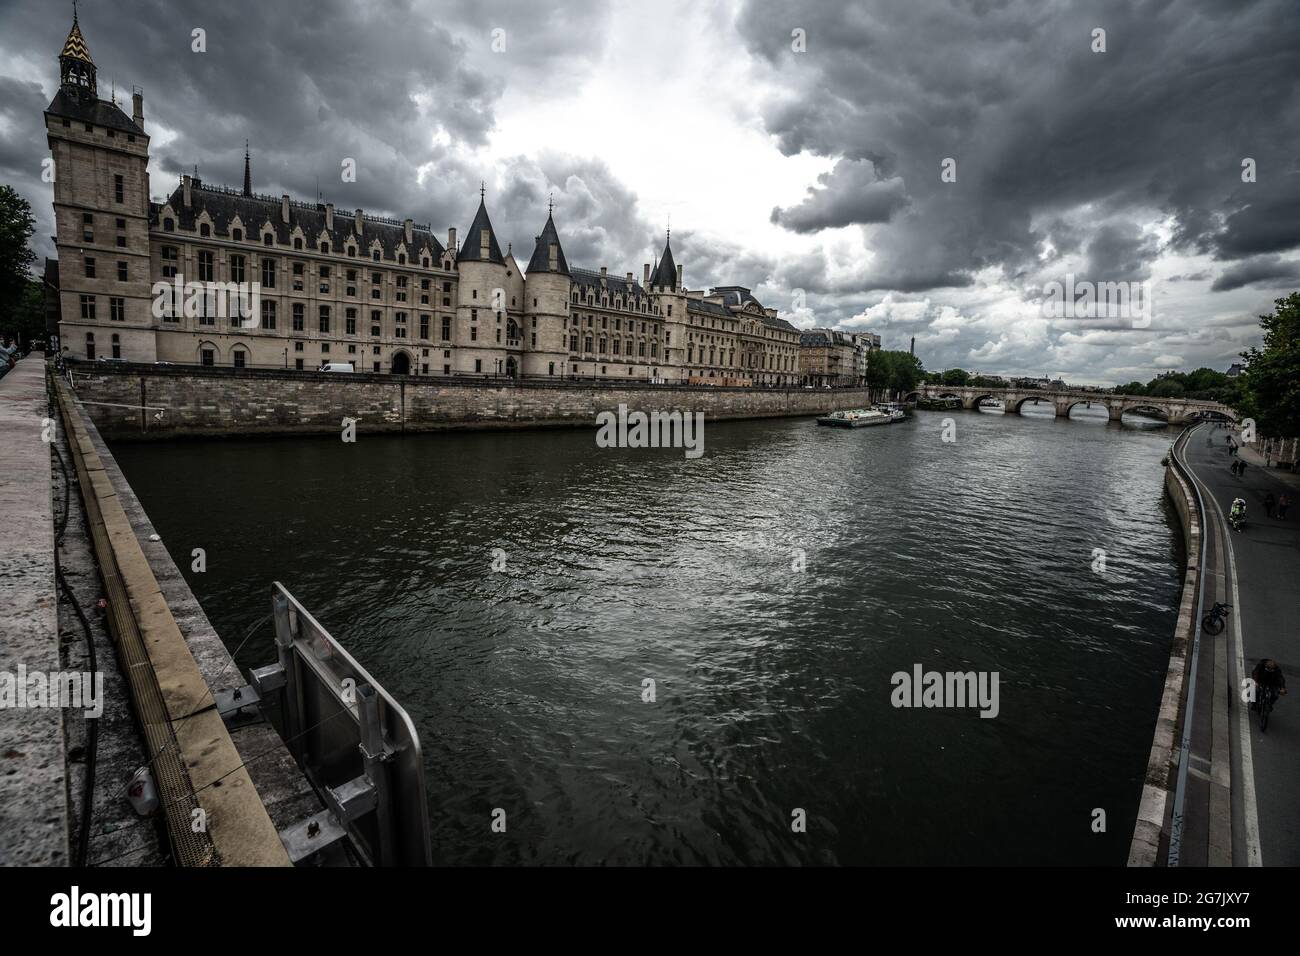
[
  {"x": 248, "y": 172},
  {"x": 665, "y": 273},
  {"x": 76, "y": 68},
  {"x": 550, "y": 238},
  {"x": 480, "y": 243}
]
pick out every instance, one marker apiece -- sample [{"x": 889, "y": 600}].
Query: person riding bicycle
[
  {"x": 1268, "y": 677},
  {"x": 1238, "y": 509}
]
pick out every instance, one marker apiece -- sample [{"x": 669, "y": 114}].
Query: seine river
[{"x": 772, "y": 685}]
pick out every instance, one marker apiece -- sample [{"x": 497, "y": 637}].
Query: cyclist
[{"x": 1268, "y": 677}]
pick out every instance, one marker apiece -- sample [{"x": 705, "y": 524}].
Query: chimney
[
  {"x": 552, "y": 257},
  {"x": 137, "y": 108},
  {"x": 406, "y": 230},
  {"x": 646, "y": 281},
  {"x": 284, "y": 208},
  {"x": 602, "y": 272},
  {"x": 329, "y": 216},
  {"x": 679, "y": 277},
  {"x": 185, "y": 191},
  {"x": 358, "y": 221},
  {"x": 451, "y": 238},
  {"x": 629, "y": 280}
]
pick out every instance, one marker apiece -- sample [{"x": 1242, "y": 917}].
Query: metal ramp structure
[{"x": 355, "y": 743}]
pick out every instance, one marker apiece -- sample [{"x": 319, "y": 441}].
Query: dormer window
[
  {"x": 375, "y": 255},
  {"x": 325, "y": 248},
  {"x": 205, "y": 230},
  {"x": 297, "y": 243},
  {"x": 401, "y": 258},
  {"x": 268, "y": 239},
  {"x": 237, "y": 235},
  {"x": 169, "y": 225}
]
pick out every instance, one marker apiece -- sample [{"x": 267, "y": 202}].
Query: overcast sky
[{"x": 811, "y": 175}]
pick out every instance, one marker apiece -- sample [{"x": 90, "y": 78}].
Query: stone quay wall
[{"x": 128, "y": 401}]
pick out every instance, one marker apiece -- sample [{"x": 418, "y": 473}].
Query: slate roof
[
  {"x": 223, "y": 205},
  {"x": 541, "y": 260},
  {"x": 470, "y": 250},
  {"x": 89, "y": 109},
  {"x": 587, "y": 278}
]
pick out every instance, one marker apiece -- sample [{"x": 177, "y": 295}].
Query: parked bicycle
[{"x": 1213, "y": 622}]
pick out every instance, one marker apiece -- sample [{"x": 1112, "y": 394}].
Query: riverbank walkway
[
  {"x": 1240, "y": 799},
  {"x": 33, "y": 793}
]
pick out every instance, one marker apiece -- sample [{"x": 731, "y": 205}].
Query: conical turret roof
[
  {"x": 541, "y": 260},
  {"x": 472, "y": 248},
  {"x": 75, "y": 45},
  {"x": 666, "y": 272}
]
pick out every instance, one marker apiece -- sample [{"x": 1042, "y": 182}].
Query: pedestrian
[
  {"x": 1269, "y": 502},
  {"x": 1241, "y": 469},
  {"x": 1282, "y": 504}
]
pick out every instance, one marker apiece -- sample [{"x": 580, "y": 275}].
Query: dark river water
[{"x": 773, "y": 686}]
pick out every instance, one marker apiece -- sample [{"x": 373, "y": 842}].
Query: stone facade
[
  {"x": 227, "y": 277},
  {"x": 834, "y": 358}
]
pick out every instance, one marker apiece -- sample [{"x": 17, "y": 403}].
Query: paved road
[{"x": 1257, "y": 571}]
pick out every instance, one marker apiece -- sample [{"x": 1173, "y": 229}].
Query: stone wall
[{"x": 147, "y": 401}]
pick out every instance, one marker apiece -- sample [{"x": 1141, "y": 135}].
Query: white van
[{"x": 336, "y": 367}]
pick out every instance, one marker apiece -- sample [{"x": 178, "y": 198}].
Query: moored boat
[{"x": 855, "y": 418}]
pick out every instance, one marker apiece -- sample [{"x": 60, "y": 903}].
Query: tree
[
  {"x": 907, "y": 373},
  {"x": 25, "y": 321},
  {"x": 16, "y": 256},
  {"x": 1132, "y": 388},
  {"x": 1270, "y": 384},
  {"x": 1168, "y": 387},
  {"x": 956, "y": 376}
]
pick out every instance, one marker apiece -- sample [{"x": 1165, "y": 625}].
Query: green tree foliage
[
  {"x": 1270, "y": 384},
  {"x": 893, "y": 372},
  {"x": 956, "y": 376},
  {"x": 16, "y": 258}
]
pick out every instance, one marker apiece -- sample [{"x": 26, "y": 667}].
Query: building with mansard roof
[{"x": 223, "y": 276}]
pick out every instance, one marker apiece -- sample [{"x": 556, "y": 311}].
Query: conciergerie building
[{"x": 344, "y": 286}]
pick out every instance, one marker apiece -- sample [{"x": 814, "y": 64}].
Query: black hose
[{"x": 92, "y": 731}]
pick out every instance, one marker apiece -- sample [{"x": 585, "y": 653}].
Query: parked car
[{"x": 336, "y": 367}]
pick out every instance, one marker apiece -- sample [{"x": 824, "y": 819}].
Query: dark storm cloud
[
  {"x": 1266, "y": 270},
  {"x": 383, "y": 83},
  {"x": 1041, "y": 126},
  {"x": 853, "y": 193}
]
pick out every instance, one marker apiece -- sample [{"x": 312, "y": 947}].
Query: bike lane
[{"x": 1266, "y": 560}]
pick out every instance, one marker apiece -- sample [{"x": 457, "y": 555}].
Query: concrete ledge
[
  {"x": 237, "y": 822},
  {"x": 1155, "y": 811}
]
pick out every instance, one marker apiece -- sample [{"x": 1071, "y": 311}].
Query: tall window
[
  {"x": 119, "y": 190},
  {"x": 205, "y": 266},
  {"x": 298, "y": 320},
  {"x": 446, "y": 328},
  {"x": 117, "y": 309},
  {"x": 268, "y": 314},
  {"x": 121, "y": 270},
  {"x": 90, "y": 346},
  {"x": 88, "y": 307},
  {"x": 236, "y": 268},
  {"x": 324, "y": 318},
  {"x": 268, "y": 273}
]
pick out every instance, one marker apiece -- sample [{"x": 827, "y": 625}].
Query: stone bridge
[{"x": 1176, "y": 411}]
